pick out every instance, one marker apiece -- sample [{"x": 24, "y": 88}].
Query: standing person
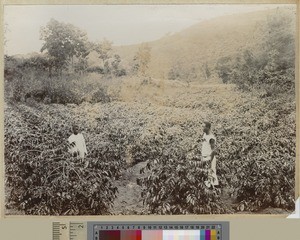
[
  {"x": 209, "y": 154},
  {"x": 77, "y": 143}
]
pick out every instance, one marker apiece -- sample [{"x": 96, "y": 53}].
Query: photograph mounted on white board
[{"x": 149, "y": 109}]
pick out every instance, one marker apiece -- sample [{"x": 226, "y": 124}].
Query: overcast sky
[{"x": 122, "y": 24}]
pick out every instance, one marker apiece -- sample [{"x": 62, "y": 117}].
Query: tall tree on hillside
[
  {"x": 116, "y": 67},
  {"x": 205, "y": 70},
  {"x": 224, "y": 68},
  {"x": 104, "y": 49},
  {"x": 63, "y": 42},
  {"x": 280, "y": 32},
  {"x": 142, "y": 59}
]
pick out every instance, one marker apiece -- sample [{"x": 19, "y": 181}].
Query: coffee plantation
[{"x": 255, "y": 152}]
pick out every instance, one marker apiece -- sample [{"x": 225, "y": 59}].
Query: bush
[
  {"x": 60, "y": 186},
  {"x": 23, "y": 76},
  {"x": 63, "y": 95},
  {"x": 259, "y": 154},
  {"x": 177, "y": 187},
  {"x": 120, "y": 72},
  {"x": 95, "y": 70},
  {"x": 266, "y": 184},
  {"x": 46, "y": 180},
  {"x": 175, "y": 181},
  {"x": 100, "y": 95}
]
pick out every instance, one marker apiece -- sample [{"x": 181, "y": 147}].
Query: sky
[{"x": 121, "y": 24}]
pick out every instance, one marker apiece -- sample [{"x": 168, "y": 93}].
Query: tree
[
  {"x": 142, "y": 59},
  {"x": 116, "y": 62},
  {"x": 205, "y": 70},
  {"x": 63, "y": 42},
  {"x": 183, "y": 73},
  {"x": 104, "y": 49},
  {"x": 224, "y": 68},
  {"x": 280, "y": 32},
  {"x": 81, "y": 66},
  {"x": 116, "y": 66}
]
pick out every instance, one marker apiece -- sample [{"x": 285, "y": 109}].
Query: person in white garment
[
  {"x": 77, "y": 145},
  {"x": 209, "y": 154}
]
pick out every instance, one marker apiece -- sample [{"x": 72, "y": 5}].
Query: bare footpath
[{"x": 129, "y": 200}]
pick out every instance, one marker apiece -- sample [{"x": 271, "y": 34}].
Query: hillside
[
  {"x": 202, "y": 45},
  {"x": 205, "y": 43}
]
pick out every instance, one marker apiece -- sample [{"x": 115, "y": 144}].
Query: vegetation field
[{"x": 151, "y": 150}]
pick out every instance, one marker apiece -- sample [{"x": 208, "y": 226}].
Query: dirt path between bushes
[{"x": 129, "y": 200}]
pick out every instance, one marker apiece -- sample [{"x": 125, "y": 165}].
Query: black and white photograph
[{"x": 149, "y": 109}]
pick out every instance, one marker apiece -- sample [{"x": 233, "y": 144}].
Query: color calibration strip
[
  {"x": 157, "y": 235},
  {"x": 157, "y": 232}
]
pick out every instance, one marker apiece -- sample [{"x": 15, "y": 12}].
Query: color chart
[{"x": 159, "y": 231}]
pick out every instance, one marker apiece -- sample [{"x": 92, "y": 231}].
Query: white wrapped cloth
[
  {"x": 77, "y": 145},
  {"x": 212, "y": 175}
]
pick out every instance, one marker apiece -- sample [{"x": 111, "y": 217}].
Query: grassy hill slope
[{"x": 205, "y": 43}]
